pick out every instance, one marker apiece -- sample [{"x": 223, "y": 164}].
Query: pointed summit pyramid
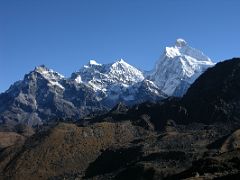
[{"x": 178, "y": 67}]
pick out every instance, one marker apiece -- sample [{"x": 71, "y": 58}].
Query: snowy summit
[
  {"x": 93, "y": 62},
  {"x": 178, "y": 67},
  {"x": 180, "y": 42}
]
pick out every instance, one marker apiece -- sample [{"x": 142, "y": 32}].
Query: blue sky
[{"x": 65, "y": 34}]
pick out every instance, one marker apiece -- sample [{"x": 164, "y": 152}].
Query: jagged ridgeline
[
  {"x": 193, "y": 137},
  {"x": 44, "y": 95}
]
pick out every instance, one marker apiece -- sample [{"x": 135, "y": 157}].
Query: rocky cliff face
[{"x": 43, "y": 95}]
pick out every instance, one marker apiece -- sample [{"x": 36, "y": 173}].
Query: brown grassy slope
[
  {"x": 10, "y": 138},
  {"x": 232, "y": 142},
  {"x": 67, "y": 148}
]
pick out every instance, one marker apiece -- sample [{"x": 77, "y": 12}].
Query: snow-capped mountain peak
[
  {"x": 48, "y": 73},
  {"x": 93, "y": 62},
  {"x": 54, "y": 78},
  {"x": 178, "y": 67},
  {"x": 45, "y": 94},
  {"x": 125, "y": 73},
  {"x": 42, "y": 69},
  {"x": 121, "y": 61},
  {"x": 181, "y": 48},
  {"x": 180, "y": 43},
  {"x": 117, "y": 72},
  {"x": 109, "y": 81},
  {"x": 176, "y": 50}
]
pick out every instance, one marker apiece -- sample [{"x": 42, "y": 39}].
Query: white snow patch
[
  {"x": 78, "y": 79},
  {"x": 56, "y": 84},
  {"x": 93, "y": 62},
  {"x": 50, "y": 75},
  {"x": 180, "y": 42}
]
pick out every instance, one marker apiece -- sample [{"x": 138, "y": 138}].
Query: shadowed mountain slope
[{"x": 215, "y": 95}]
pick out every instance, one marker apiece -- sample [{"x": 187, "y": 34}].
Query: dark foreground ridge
[{"x": 196, "y": 137}]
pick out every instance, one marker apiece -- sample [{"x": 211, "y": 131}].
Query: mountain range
[
  {"x": 196, "y": 136},
  {"x": 44, "y": 95}
]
